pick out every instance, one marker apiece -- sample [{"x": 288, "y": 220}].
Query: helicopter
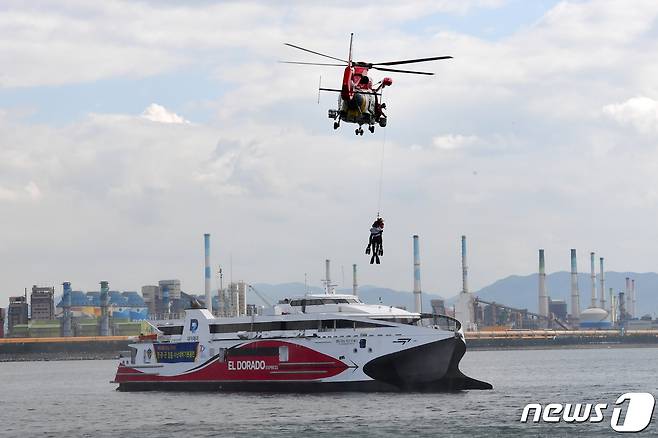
[{"x": 359, "y": 99}]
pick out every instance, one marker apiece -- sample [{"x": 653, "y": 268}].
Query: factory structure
[
  {"x": 605, "y": 309},
  {"x": 106, "y": 312},
  {"x": 39, "y": 313}
]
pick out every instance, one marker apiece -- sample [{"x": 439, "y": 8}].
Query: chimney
[
  {"x": 543, "y": 297},
  {"x": 66, "y": 306},
  {"x": 206, "y": 246},
  {"x": 627, "y": 294},
  {"x": 464, "y": 267},
  {"x": 327, "y": 274},
  {"x": 105, "y": 316},
  {"x": 575, "y": 298},
  {"x": 633, "y": 302},
  {"x": 354, "y": 283},
  {"x": 592, "y": 277},
  {"x": 602, "y": 281},
  {"x": 417, "y": 293},
  {"x": 622, "y": 309}
]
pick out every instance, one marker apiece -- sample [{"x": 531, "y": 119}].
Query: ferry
[{"x": 311, "y": 343}]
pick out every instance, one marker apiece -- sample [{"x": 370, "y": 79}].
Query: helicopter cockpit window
[{"x": 364, "y": 80}]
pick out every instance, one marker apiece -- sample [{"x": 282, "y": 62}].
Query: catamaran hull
[{"x": 432, "y": 367}]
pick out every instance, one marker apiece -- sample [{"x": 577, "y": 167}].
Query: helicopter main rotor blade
[
  {"x": 403, "y": 71},
  {"x": 311, "y": 63},
  {"x": 411, "y": 61},
  {"x": 315, "y": 53}
]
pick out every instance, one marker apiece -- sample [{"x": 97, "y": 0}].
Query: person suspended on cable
[{"x": 375, "y": 242}]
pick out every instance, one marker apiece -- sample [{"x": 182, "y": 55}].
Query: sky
[{"x": 130, "y": 128}]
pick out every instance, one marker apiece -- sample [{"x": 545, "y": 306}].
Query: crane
[{"x": 263, "y": 299}]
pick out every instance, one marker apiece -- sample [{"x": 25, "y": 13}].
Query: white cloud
[
  {"x": 78, "y": 41},
  {"x": 30, "y": 191},
  {"x": 639, "y": 112},
  {"x": 453, "y": 141},
  {"x": 158, "y": 113},
  {"x": 280, "y": 190}
]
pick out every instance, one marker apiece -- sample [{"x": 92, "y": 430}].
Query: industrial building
[
  {"x": 17, "y": 314},
  {"x": 232, "y": 301},
  {"x": 121, "y": 305},
  {"x": 558, "y": 308},
  {"x": 42, "y": 303},
  {"x": 150, "y": 295}
]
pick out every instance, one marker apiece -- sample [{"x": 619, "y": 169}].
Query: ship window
[
  {"x": 344, "y": 323},
  {"x": 328, "y": 324},
  {"x": 363, "y": 324},
  {"x": 305, "y": 302},
  {"x": 171, "y": 329},
  {"x": 133, "y": 355},
  {"x": 256, "y": 351},
  {"x": 347, "y": 324},
  {"x": 336, "y": 301},
  {"x": 362, "y": 343},
  {"x": 300, "y": 325},
  {"x": 268, "y": 326},
  {"x": 400, "y": 320},
  {"x": 230, "y": 328},
  {"x": 264, "y": 326},
  {"x": 283, "y": 353}
]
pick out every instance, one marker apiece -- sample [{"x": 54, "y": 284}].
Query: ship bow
[{"x": 429, "y": 367}]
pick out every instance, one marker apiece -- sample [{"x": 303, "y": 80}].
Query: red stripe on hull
[{"x": 252, "y": 361}]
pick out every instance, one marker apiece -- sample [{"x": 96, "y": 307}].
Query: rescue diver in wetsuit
[{"x": 375, "y": 241}]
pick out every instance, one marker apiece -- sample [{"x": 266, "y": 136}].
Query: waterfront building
[
  {"x": 17, "y": 314},
  {"x": 558, "y": 308},
  {"x": 150, "y": 294},
  {"x": 42, "y": 300},
  {"x": 2, "y": 322}
]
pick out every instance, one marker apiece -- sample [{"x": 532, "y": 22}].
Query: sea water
[{"x": 75, "y": 399}]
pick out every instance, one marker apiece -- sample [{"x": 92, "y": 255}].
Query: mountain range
[{"x": 518, "y": 291}]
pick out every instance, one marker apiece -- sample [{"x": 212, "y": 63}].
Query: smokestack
[
  {"x": 417, "y": 294},
  {"x": 543, "y": 298},
  {"x": 66, "y": 305},
  {"x": 354, "y": 283},
  {"x": 622, "y": 308},
  {"x": 602, "y": 281},
  {"x": 613, "y": 307},
  {"x": 575, "y": 298},
  {"x": 633, "y": 309},
  {"x": 627, "y": 294},
  {"x": 464, "y": 267},
  {"x": 206, "y": 246},
  {"x": 327, "y": 275},
  {"x": 592, "y": 277},
  {"x": 105, "y": 317}
]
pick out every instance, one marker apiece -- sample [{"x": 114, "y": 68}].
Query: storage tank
[{"x": 594, "y": 318}]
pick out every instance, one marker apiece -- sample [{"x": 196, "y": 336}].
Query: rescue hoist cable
[{"x": 381, "y": 177}]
